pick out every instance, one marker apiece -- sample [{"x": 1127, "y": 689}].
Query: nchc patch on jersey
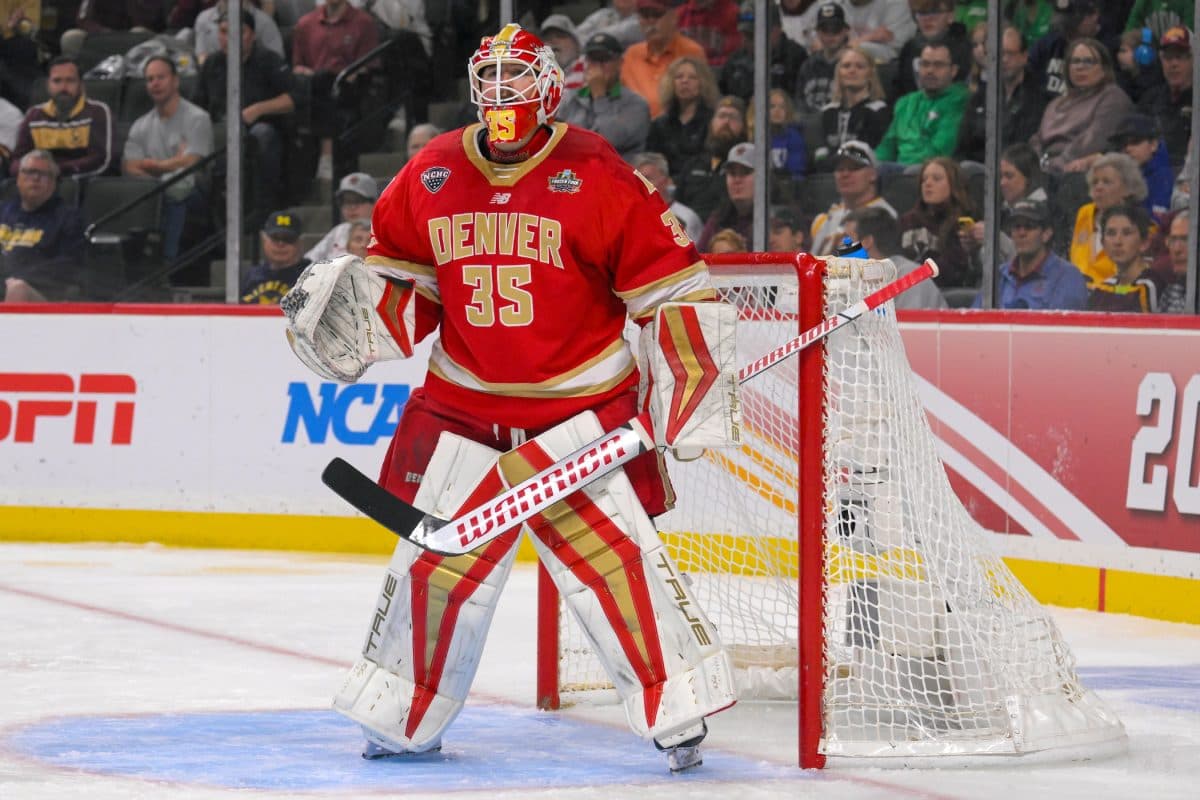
[{"x": 530, "y": 270}]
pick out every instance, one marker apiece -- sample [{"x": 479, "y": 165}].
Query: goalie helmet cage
[{"x": 836, "y": 562}]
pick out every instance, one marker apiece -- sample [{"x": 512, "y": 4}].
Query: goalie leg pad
[
  {"x": 432, "y": 618},
  {"x": 612, "y": 570},
  {"x": 691, "y": 375}
]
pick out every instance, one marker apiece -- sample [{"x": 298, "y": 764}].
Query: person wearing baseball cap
[
  {"x": 1037, "y": 278},
  {"x": 603, "y": 105},
  {"x": 785, "y": 232},
  {"x": 857, "y": 183},
  {"x": 816, "y": 73},
  {"x": 356, "y": 196},
  {"x": 1137, "y": 135},
  {"x": 269, "y": 280},
  {"x": 736, "y": 208},
  {"x": 1170, "y": 102}
]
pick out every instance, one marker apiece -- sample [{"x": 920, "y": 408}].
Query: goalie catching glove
[
  {"x": 690, "y": 376},
  {"x": 342, "y": 318}
]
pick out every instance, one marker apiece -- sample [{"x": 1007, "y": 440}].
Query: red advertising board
[{"x": 1073, "y": 427}]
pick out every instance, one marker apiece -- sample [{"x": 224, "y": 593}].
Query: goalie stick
[{"x": 571, "y": 473}]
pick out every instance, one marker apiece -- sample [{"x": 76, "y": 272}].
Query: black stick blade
[{"x": 371, "y": 499}]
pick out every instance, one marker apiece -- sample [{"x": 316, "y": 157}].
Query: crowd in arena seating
[{"x": 877, "y": 115}]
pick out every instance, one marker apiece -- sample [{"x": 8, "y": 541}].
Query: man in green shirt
[{"x": 925, "y": 122}]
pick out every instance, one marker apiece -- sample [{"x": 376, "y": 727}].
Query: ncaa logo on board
[{"x": 434, "y": 178}]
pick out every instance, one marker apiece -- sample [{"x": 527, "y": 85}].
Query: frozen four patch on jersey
[
  {"x": 565, "y": 181},
  {"x": 434, "y": 178}
]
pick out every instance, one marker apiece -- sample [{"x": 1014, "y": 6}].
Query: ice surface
[{"x": 149, "y": 672}]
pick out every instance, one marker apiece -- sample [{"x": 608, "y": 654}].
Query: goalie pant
[{"x": 606, "y": 559}]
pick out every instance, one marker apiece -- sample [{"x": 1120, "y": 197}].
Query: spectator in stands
[
  {"x": 1159, "y": 15},
  {"x": 618, "y": 19},
  {"x": 856, "y": 110},
  {"x": 360, "y": 237},
  {"x": 1022, "y": 104},
  {"x": 1075, "y": 19},
  {"x": 1113, "y": 179},
  {"x": 20, "y": 53},
  {"x": 269, "y": 280},
  {"x": 1171, "y": 102},
  {"x": 10, "y": 123},
  {"x": 1137, "y": 136},
  {"x": 77, "y": 131},
  {"x": 1031, "y": 17},
  {"x": 789, "y": 151},
  {"x": 688, "y": 94},
  {"x": 736, "y": 208},
  {"x": 713, "y": 24},
  {"x": 799, "y": 20},
  {"x": 653, "y": 167},
  {"x": 1135, "y": 74},
  {"x": 727, "y": 240},
  {"x": 208, "y": 29},
  {"x": 266, "y": 104},
  {"x": 1076, "y": 126},
  {"x": 931, "y": 228},
  {"x": 165, "y": 141},
  {"x": 935, "y": 25},
  {"x": 603, "y": 105},
  {"x": 700, "y": 182},
  {"x": 1174, "y": 296},
  {"x": 786, "y": 58},
  {"x": 817, "y": 72},
  {"x": 325, "y": 41},
  {"x": 645, "y": 62},
  {"x": 879, "y": 27},
  {"x": 420, "y": 136},
  {"x": 1133, "y": 286},
  {"x": 558, "y": 32},
  {"x": 1021, "y": 180},
  {"x": 98, "y": 16},
  {"x": 355, "y": 197},
  {"x": 785, "y": 232},
  {"x": 41, "y": 236},
  {"x": 878, "y": 231},
  {"x": 857, "y": 181},
  {"x": 1035, "y": 277},
  {"x": 926, "y": 121}
]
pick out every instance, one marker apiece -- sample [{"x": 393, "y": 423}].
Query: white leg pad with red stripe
[
  {"x": 432, "y": 617},
  {"x": 604, "y": 554},
  {"x": 690, "y": 377}
]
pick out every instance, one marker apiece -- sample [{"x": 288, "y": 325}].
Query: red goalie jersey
[{"x": 531, "y": 269}]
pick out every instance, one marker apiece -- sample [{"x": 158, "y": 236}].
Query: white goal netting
[{"x": 932, "y": 648}]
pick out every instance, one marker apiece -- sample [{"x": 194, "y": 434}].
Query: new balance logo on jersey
[{"x": 500, "y": 198}]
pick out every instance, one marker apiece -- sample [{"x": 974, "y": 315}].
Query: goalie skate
[{"x": 686, "y": 754}]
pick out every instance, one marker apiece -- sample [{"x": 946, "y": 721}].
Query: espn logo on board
[{"x": 39, "y": 404}]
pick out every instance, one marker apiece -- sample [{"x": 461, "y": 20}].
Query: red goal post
[{"x": 840, "y": 570}]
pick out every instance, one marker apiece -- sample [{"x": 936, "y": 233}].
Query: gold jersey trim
[
  {"x": 670, "y": 280},
  {"x": 507, "y": 174}
]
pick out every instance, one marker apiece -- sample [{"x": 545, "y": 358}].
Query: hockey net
[{"x": 920, "y": 642}]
